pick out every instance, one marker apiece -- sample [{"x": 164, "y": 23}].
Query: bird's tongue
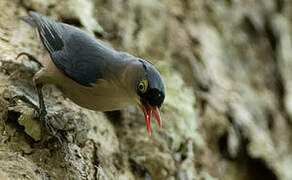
[{"x": 147, "y": 110}]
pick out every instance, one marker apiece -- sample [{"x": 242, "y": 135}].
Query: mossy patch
[{"x": 31, "y": 126}]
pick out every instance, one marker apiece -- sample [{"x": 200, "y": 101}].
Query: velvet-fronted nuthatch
[{"x": 92, "y": 74}]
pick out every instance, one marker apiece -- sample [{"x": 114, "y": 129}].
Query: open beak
[{"x": 147, "y": 110}]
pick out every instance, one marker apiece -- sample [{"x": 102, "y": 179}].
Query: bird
[{"x": 91, "y": 73}]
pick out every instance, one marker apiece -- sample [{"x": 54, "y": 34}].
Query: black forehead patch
[
  {"x": 153, "y": 77},
  {"x": 155, "y": 93}
]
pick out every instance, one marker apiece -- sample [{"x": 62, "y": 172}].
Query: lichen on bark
[{"x": 227, "y": 114}]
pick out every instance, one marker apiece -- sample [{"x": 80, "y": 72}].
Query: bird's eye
[{"x": 142, "y": 86}]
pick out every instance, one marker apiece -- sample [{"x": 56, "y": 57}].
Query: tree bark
[{"x": 227, "y": 113}]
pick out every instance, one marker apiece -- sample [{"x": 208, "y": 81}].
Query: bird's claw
[
  {"x": 30, "y": 57},
  {"x": 47, "y": 129}
]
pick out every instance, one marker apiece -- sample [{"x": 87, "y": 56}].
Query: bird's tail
[
  {"x": 28, "y": 20},
  {"x": 31, "y": 22}
]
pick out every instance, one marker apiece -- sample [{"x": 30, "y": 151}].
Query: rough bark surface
[{"x": 228, "y": 110}]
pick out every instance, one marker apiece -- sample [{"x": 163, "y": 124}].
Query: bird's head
[{"x": 151, "y": 93}]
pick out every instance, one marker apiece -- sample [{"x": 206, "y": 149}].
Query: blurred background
[{"x": 227, "y": 66}]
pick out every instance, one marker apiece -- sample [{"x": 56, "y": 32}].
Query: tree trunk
[{"x": 228, "y": 108}]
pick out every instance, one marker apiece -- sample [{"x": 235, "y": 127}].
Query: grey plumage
[
  {"x": 77, "y": 54},
  {"x": 92, "y": 74}
]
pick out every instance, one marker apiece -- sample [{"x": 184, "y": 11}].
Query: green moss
[
  {"x": 31, "y": 126},
  {"x": 206, "y": 176},
  {"x": 179, "y": 105},
  {"x": 84, "y": 11}
]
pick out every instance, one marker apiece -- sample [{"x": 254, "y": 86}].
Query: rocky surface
[{"x": 228, "y": 110}]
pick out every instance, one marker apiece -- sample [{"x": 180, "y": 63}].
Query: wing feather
[{"x": 77, "y": 54}]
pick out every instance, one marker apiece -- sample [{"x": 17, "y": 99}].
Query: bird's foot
[
  {"x": 30, "y": 57},
  {"x": 48, "y": 130}
]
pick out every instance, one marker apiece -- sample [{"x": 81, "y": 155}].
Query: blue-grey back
[{"x": 76, "y": 53}]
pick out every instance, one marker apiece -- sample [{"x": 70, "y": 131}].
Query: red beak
[{"x": 147, "y": 110}]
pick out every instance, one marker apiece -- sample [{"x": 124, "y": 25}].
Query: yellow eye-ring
[{"x": 142, "y": 86}]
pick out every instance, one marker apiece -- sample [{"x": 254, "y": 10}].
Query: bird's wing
[{"x": 75, "y": 53}]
